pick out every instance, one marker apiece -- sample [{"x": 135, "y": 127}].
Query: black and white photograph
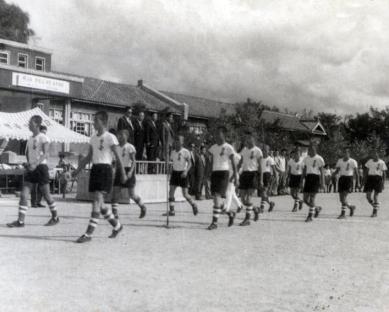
[{"x": 194, "y": 156}]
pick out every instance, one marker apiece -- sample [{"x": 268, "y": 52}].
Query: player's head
[
  {"x": 249, "y": 138},
  {"x": 221, "y": 134},
  {"x": 283, "y": 152},
  {"x": 374, "y": 153},
  {"x": 346, "y": 152},
  {"x": 43, "y": 129},
  {"x": 123, "y": 136},
  {"x": 203, "y": 149},
  {"x": 266, "y": 151},
  {"x": 296, "y": 153},
  {"x": 100, "y": 120},
  {"x": 35, "y": 123},
  {"x": 312, "y": 149},
  {"x": 178, "y": 142}
]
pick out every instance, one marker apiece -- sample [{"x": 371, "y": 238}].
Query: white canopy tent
[{"x": 15, "y": 126}]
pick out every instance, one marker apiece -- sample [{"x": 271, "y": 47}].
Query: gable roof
[
  {"x": 286, "y": 121},
  {"x": 119, "y": 94},
  {"x": 315, "y": 126}
]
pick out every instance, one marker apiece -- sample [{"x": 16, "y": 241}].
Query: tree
[{"x": 14, "y": 23}]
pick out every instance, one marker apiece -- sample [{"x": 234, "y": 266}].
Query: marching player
[
  {"x": 295, "y": 171},
  {"x": 252, "y": 172},
  {"x": 346, "y": 167},
  {"x": 103, "y": 145},
  {"x": 375, "y": 174},
  {"x": 221, "y": 154},
  {"x": 268, "y": 171},
  {"x": 126, "y": 152},
  {"x": 180, "y": 158},
  {"x": 37, "y": 172},
  {"x": 313, "y": 177}
]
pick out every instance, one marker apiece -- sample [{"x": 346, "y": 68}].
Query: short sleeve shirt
[
  {"x": 250, "y": 158},
  {"x": 125, "y": 152},
  {"x": 180, "y": 159},
  {"x": 346, "y": 168},
  {"x": 35, "y": 149},
  {"x": 296, "y": 167},
  {"x": 102, "y": 148},
  {"x": 221, "y": 156},
  {"x": 314, "y": 164},
  {"x": 267, "y": 164},
  {"x": 376, "y": 167}
]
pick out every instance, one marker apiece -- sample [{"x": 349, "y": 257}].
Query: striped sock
[
  {"x": 249, "y": 210},
  {"x": 115, "y": 207},
  {"x": 22, "y": 213},
  {"x": 53, "y": 210},
  {"x": 216, "y": 214},
  {"x": 312, "y": 209},
  {"x": 171, "y": 204},
  {"x": 110, "y": 218},
  {"x": 138, "y": 201},
  {"x": 94, "y": 220},
  {"x": 376, "y": 206},
  {"x": 344, "y": 207}
]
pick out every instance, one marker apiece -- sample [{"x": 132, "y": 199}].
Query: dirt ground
[{"x": 277, "y": 264}]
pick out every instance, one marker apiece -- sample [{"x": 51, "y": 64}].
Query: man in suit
[
  {"x": 203, "y": 173},
  {"x": 192, "y": 171},
  {"x": 152, "y": 138},
  {"x": 140, "y": 135},
  {"x": 167, "y": 137},
  {"x": 126, "y": 123}
]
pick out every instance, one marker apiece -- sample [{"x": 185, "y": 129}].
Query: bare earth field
[{"x": 277, "y": 264}]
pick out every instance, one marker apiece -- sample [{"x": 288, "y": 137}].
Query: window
[
  {"x": 82, "y": 122},
  {"x": 22, "y": 60},
  {"x": 197, "y": 128},
  {"x": 56, "y": 115},
  {"x": 40, "y": 63},
  {"x": 4, "y": 57}
]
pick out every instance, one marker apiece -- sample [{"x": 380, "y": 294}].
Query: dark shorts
[
  {"x": 294, "y": 181},
  {"x": 177, "y": 180},
  {"x": 312, "y": 183},
  {"x": 248, "y": 180},
  {"x": 219, "y": 182},
  {"x": 100, "y": 178},
  {"x": 266, "y": 179},
  {"x": 373, "y": 183},
  {"x": 130, "y": 183},
  {"x": 345, "y": 184},
  {"x": 40, "y": 175}
]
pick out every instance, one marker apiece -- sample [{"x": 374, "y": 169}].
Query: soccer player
[
  {"x": 295, "y": 171},
  {"x": 313, "y": 177},
  {"x": 103, "y": 145},
  {"x": 375, "y": 174},
  {"x": 180, "y": 157},
  {"x": 251, "y": 173},
  {"x": 37, "y": 172},
  {"x": 221, "y": 154},
  {"x": 127, "y": 154},
  {"x": 268, "y": 168},
  {"x": 346, "y": 167}
]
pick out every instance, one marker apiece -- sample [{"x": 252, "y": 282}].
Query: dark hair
[
  {"x": 248, "y": 132},
  {"x": 112, "y": 130},
  {"x": 42, "y": 128},
  {"x": 222, "y": 129},
  {"x": 284, "y": 150},
  {"x": 169, "y": 114},
  {"x": 128, "y": 108},
  {"x": 125, "y": 132},
  {"x": 37, "y": 119},
  {"x": 103, "y": 116}
]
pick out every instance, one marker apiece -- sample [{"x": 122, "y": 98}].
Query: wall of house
[{"x": 13, "y": 56}]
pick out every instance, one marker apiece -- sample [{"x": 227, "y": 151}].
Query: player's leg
[
  {"x": 23, "y": 205},
  {"x": 172, "y": 191},
  {"x": 249, "y": 208},
  {"x": 217, "y": 210},
  {"x": 228, "y": 200},
  {"x": 138, "y": 200},
  {"x": 235, "y": 198},
  {"x": 317, "y": 209},
  {"x": 343, "y": 201},
  {"x": 106, "y": 212},
  {"x": 116, "y": 192},
  {"x": 376, "y": 204},
  {"x": 185, "y": 193},
  {"x": 45, "y": 190},
  {"x": 308, "y": 202}
]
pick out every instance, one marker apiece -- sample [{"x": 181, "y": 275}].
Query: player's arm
[
  {"x": 356, "y": 174},
  {"x": 337, "y": 169},
  {"x": 303, "y": 176},
  {"x": 259, "y": 160},
  {"x": 84, "y": 161},
  {"x": 383, "y": 178},
  {"x": 234, "y": 171},
  {"x": 322, "y": 180},
  {"x": 133, "y": 165},
  {"x": 120, "y": 167},
  {"x": 188, "y": 167},
  {"x": 240, "y": 163}
]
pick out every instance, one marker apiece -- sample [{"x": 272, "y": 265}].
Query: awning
[{"x": 15, "y": 126}]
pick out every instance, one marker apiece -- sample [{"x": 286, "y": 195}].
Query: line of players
[{"x": 253, "y": 164}]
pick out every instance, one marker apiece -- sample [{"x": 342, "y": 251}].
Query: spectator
[
  {"x": 276, "y": 174},
  {"x": 192, "y": 171},
  {"x": 167, "y": 136},
  {"x": 152, "y": 138},
  {"x": 282, "y": 175},
  {"x": 36, "y": 194},
  {"x": 327, "y": 178},
  {"x": 139, "y": 135},
  {"x": 126, "y": 123},
  {"x": 202, "y": 166}
]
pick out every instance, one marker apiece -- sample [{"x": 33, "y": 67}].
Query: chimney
[{"x": 140, "y": 83}]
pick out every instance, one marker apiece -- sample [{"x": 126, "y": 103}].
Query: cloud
[{"x": 320, "y": 55}]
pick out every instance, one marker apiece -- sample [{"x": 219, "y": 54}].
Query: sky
[{"x": 330, "y": 56}]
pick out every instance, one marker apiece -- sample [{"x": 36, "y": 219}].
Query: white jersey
[
  {"x": 124, "y": 153},
  {"x": 267, "y": 164},
  {"x": 102, "y": 148},
  {"x": 347, "y": 168},
  {"x": 314, "y": 164},
  {"x": 376, "y": 167},
  {"x": 296, "y": 167},
  {"x": 221, "y": 156},
  {"x": 250, "y": 158},
  {"x": 180, "y": 159},
  {"x": 35, "y": 149}
]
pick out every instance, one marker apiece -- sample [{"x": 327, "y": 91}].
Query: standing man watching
[
  {"x": 167, "y": 136},
  {"x": 139, "y": 135},
  {"x": 125, "y": 123}
]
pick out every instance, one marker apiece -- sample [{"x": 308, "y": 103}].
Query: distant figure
[
  {"x": 126, "y": 123},
  {"x": 167, "y": 136},
  {"x": 152, "y": 138},
  {"x": 36, "y": 194},
  {"x": 192, "y": 171},
  {"x": 139, "y": 135}
]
